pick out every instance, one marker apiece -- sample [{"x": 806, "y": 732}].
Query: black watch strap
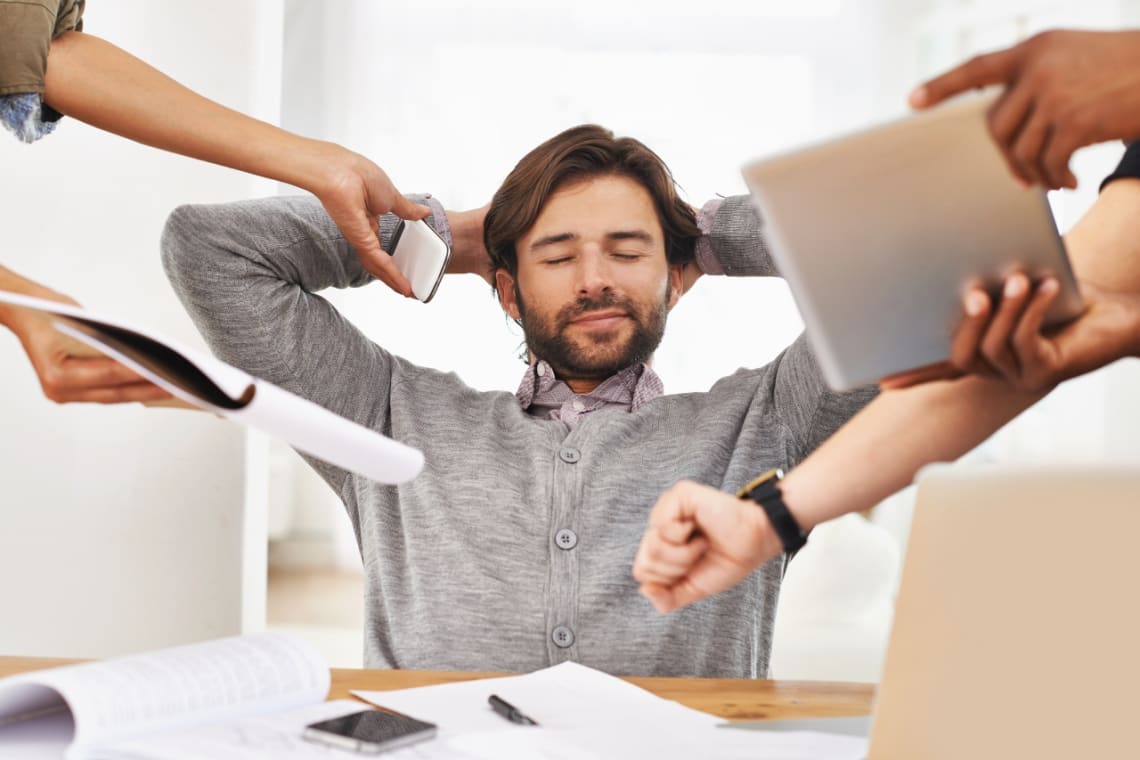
[{"x": 765, "y": 491}]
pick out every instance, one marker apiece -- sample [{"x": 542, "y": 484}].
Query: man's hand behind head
[
  {"x": 468, "y": 252},
  {"x": 1063, "y": 90}
]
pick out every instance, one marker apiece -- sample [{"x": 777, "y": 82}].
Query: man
[{"x": 512, "y": 550}]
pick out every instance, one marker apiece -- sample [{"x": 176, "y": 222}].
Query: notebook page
[{"x": 184, "y": 686}]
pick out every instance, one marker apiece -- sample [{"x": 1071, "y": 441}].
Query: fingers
[
  {"x": 1028, "y": 150},
  {"x": 661, "y": 562},
  {"x": 69, "y": 378},
  {"x": 1035, "y": 353},
  {"x": 964, "y": 348},
  {"x": 1010, "y": 344},
  {"x": 406, "y": 209},
  {"x": 77, "y": 373},
  {"x": 676, "y": 504},
  {"x": 996, "y": 345},
  {"x": 980, "y": 71},
  {"x": 1028, "y": 330},
  {"x": 661, "y": 595},
  {"x": 703, "y": 582},
  {"x": 1006, "y": 120},
  {"x": 122, "y": 394},
  {"x": 927, "y": 374},
  {"x": 670, "y": 598},
  {"x": 1055, "y": 157},
  {"x": 361, "y": 231},
  {"x": 671, "y": 544}
]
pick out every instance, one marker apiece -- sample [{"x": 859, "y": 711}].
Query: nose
[{"x": 593, "y": 272}]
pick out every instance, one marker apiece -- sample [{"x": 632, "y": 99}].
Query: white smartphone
[
  {"x": 369, "y": 732},
  {"x": 421, "y": 255}
]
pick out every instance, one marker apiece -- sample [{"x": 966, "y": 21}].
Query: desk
[{"x": 735, "y": 698}]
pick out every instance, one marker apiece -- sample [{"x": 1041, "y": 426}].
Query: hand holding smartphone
[
  {"x": 421, "y": 255},
  {"x": 370, "y": 732}
]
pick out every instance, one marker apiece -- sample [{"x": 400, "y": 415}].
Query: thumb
[{"x": 361, "y": 235}]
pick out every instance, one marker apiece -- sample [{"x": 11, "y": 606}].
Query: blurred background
[{"x": 123, "y": 528}]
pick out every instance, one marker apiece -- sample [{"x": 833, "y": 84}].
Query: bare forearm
[
  {"x": 882, "y": 448},
  {"x": 1105, "y": 243},
  {"x": 94, "y": 81}
]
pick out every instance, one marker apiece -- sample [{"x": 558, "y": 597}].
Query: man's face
[{"x": 594, "y": 286}]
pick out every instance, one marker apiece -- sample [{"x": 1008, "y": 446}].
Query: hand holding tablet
[{"x": 880, "y": 235}]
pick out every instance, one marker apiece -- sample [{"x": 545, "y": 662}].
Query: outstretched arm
[
  {"x": 874, "y": 455},
  {"x": 100, "y": 84}
]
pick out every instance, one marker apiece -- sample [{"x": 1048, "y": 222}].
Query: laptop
[
  {"x": 878, "y": 233},
  {"x": 1017, "y": 625}
]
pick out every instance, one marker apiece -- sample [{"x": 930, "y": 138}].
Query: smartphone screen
[{"x": 370, "y": 731}]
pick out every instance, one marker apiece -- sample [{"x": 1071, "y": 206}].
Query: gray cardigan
[{"x": 462, "y": 566}]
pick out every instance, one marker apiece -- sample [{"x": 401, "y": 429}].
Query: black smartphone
[{"x": 370, "y": 731}]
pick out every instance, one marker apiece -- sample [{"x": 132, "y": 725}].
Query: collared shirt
[{"x": 543, "y": 395}]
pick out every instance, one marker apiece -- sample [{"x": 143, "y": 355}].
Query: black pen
[{"x": 509, "y": 711}]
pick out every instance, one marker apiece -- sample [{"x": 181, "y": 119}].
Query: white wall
[{"x": 122, "y": 528}]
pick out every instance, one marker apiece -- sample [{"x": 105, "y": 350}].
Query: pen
[{"x": 509, "y": 711}]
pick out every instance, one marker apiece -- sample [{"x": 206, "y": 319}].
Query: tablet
[{"x": 878, "y": 233}]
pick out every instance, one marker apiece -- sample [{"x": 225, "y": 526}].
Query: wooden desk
[{"x": 735, "y": 698}]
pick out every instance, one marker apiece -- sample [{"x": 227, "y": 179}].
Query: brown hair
[{"x": 577, "y": 154}]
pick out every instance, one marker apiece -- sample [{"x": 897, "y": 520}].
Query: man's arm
[
  {"x": 874, "y": 455},
  {"x": 249, "y": 273},
  {"x": 733, "y": 244},
  {"x": 100, "y": 84}
]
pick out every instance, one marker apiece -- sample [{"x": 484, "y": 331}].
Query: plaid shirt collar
[{"x": 543, "y": 395}]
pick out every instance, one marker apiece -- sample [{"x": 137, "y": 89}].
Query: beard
[{"x": 599, "y": 355}]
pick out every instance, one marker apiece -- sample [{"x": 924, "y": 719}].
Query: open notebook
[
  {"x": 208, "y": 383},
  {"x": 115, "y": 708}
]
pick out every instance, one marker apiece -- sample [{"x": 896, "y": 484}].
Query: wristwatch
[{"x": 765, "y": 491}]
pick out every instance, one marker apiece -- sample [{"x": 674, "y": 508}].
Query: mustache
[{"x": 608, "y": 300}]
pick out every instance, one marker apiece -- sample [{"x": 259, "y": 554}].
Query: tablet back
[{"x": 878, "y": 233}]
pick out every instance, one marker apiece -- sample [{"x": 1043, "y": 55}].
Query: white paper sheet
[{"x": 583, "y": 713}]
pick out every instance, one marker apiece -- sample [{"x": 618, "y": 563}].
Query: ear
[
  {"x": 505, "y": 284},
  {"x": 676, "y": 282}
]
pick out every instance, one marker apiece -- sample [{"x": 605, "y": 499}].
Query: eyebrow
[{"x": 566, "y": 237}]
